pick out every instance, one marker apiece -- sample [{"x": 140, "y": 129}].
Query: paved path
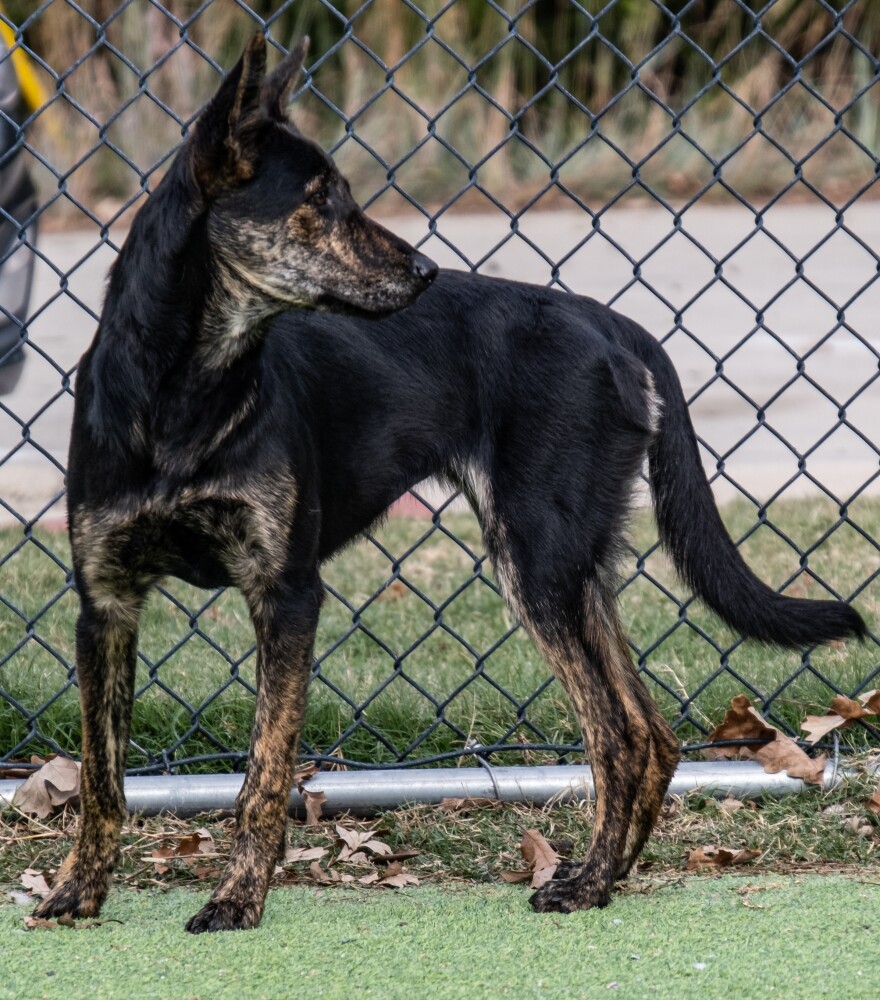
[{"x": 841, "y": 275}]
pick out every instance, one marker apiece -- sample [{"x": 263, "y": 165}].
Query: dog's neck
[
  {"x": 188, "y": 326},
  {"x": 234, "y": 320}
]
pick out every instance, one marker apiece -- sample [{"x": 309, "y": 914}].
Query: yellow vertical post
[{"x": 31, "y": 89}]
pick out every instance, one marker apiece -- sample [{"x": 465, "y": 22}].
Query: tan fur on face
[
  {"x": 305, "y": 225},
  {"x": 298, "y": 260}
]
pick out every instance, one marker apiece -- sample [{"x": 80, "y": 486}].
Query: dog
[{"x": 270, "y": 372}]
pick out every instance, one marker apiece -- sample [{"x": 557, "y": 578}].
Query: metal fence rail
[{"x": 707, "y": 173}]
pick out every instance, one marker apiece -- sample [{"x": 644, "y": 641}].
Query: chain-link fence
[{"x": 706, "y": 167}]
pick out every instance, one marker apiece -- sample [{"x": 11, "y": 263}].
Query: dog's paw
[
  {"x": 565, "y": 895},
  {"x": 225, "y": 915},
  {"x": 73, "y": 898}
]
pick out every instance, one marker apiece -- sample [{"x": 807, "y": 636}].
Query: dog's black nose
[{"x": 423, "y": 267}]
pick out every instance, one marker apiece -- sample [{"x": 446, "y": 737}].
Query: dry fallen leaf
[
  {"x": 843, "y": 712},
  {"x": 51, "y": 787},
  {"x": 303, "y": 854},
  {"x": 37, "y": 882},
  {"x": 329, "y": 876},
  {"x": 783, "y": 754},
  {"x": 719, "y": 857},
  {"x": 355, "y": 842},
  {"x": 398, "y": 881},
  {"x": 466, "y": 804},
  {"x": 200, "y": 842},
  {"x": 394, "y": 877},
  {"x": 32, "y": 923},
  {"x": 873, "y": 803},
  {"x": 858, "y": 826},
  {"x": 302, "y": 774},
  {"x": 778, "y": 753},
  {"x": 314, "y": 803},
  {"x": 730, "y": 805},
  {"x": 351, "y": 840},
  {"x": 159, "y": 855},
  {"x": 205, "y": 871},
  {"x": 197, "y": 845},
  {"x": 355, "y": 847},
  {"x": 319, "y": 875},
  {"x": 376, "y": 847},
  {"x": 745, "y": 892},
  {"x": 741, "y": 722},
  {"x": 849, "y": 709},
  {"x": 540, "y": 855},
  {"x": 817, "y": 726},
  {"x": 358, "y": 858},
  {"x": 514, "y": 878},
  {"x": 871, "y": 701}
]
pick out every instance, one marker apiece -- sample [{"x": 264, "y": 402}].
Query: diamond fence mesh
[{"x": 706, "y": 167}]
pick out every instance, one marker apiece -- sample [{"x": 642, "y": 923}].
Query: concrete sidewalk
[{"x": 838, "y": 278}]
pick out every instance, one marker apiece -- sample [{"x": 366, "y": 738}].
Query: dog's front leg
[
  {"x": 285, "y": 621},
  {"x": 106, "y": 652}
]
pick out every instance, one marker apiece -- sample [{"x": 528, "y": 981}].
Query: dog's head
[{"x": 279, "y": 214}]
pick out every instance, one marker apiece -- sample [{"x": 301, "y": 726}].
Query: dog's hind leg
[
  {"x": 663, "y": 757},
  {"x": 620, "y": 736},
  {"x": 603, "y": 628},
  {"x": 285, "y": 619},
  {"x": 106, "y": 651},
  {"x": 564, "y": 596}
]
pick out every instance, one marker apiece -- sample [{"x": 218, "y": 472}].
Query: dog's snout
[{"x": 423, "y": 267}]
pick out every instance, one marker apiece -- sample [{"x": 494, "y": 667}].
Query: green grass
[
  {"x": 400, "y": 645},
  {"x": 743, "y": 937}
]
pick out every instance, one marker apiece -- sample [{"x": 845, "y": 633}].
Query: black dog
[{"x": 221, "y": 445}]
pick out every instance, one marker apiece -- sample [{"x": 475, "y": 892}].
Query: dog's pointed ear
[
  {"x": 220, "y": 153},
  {"x": 279, "y": 86}
]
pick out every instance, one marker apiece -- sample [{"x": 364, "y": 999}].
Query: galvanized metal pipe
[{"x": 367, "y": 792}]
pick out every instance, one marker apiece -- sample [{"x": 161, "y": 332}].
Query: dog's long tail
[{"x": 703, "y": 552}]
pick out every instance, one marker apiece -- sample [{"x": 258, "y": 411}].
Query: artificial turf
[{"x": 801, "y": 936}]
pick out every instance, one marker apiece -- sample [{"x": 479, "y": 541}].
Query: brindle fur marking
[
  {"x": 271, "y": 371},
  {"x": 285, "y": 627}
]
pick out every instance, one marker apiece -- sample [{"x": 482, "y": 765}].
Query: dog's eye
[{"x": 319, "y": 198}]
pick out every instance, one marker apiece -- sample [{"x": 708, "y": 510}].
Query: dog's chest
[{"x": 210, "y": 535}]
